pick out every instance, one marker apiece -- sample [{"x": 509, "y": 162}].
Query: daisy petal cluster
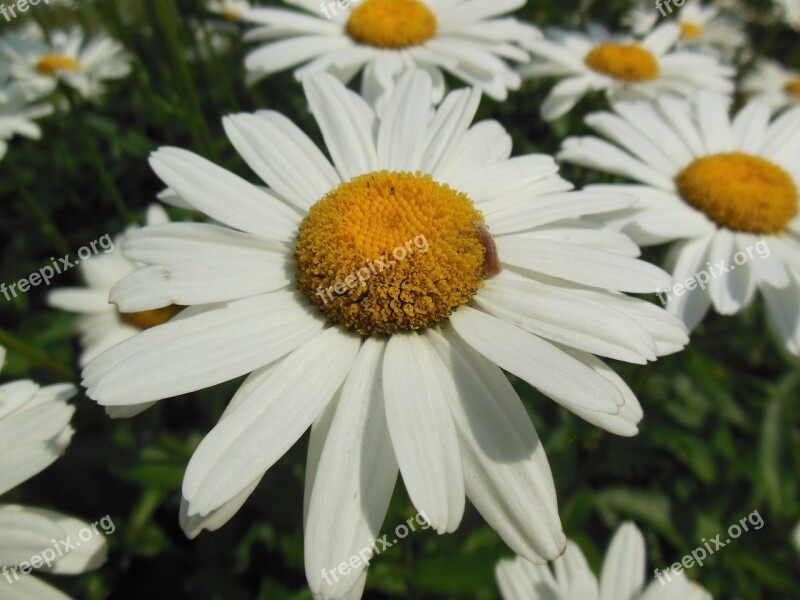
[
  {"x": 703, "y": 26},
  {"x": 100, "y": 325},
  {"x": 36, "y": 66},
  {"x": 396, "y": 370},
  {"x": 624, "y": 67},
  {"x": 713, "y": 186},
  {"x": 771, "y": 82},
  {"x": 34, "y": 432},
  {"x": 790, "y": 10},
  {"x": 469, "y": 39},
  {"x": 570, "y": 578}
]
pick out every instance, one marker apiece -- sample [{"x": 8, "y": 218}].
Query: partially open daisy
[
  {"x": 770, "y": 82},
  {"x": 725, "y": 190},
  {"x": 37, "y": 65},
  {"x": 377, "y": 297},
  {"x": 625, "y": 68},
  {"x": 16, "y": 117},
  {"x": 388, "y": 37},
  {"x": 622, "y": 577},
  {"x": 703, "y": 26},
  {"x": 34, "y": 431},
  {"x": 101, "y": 325}
]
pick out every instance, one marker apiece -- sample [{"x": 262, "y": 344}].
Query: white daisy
[
  {"x": 392, "y": 376},
  {"x": 233, "y": 10},
  {"x": 388, "y": 37},
  {"x": 770, "y": 82},
  {"x": 703, "y": 26},
  {"x": 622, "y": 577},
  {"x": 16, "y": 117},
  {"x": 34, "y": 431},
  {"x": 796, "y": 537},
  {"x": 791, "y": 12},
  {"x": 37, "y": 66},
  {"x": 101, "y": 325},
  {"x": 625, "y": 68},
  {"x": 726, "y": 190}
]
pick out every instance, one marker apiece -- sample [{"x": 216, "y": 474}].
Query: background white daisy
[
  {"x": 34, "y": 432},
  {"x": 385, "y": 38},
  {"x": 771, "y": 82},
  {"x": 17, "y": 116},
  {"x": 36, "y": 65},
  {"x": 719, "y": 209},
  {"x": 623, "y": 67},
  {"x": 570, "y": 578}
]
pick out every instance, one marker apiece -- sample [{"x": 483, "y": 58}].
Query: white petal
[
  {"x": 202, "y": 350},
  {"x": 536, "y": 361},
  {"x": 583, "y": 265},
  {"x": 246, "y": 442},
  {"x": 353, "y": 480},
  {"x": 623, "y": 568},
  {"x": 404, "y": 128},
  {"x": 506, "y": 471},
  {"x": 422, "y": 430},
  {"x": 689, "y": 257}
]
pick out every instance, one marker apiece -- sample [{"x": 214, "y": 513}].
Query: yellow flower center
[
  {"x": 691, "y": 31},
  {"x": 50, "y": 63},
  {"x": 740, "y": 192},
  {"x": 391, "y": 23},
  {"x": 230, "y": 14},
  {"x": 793, "y": 87},
  {"x": 389, "y": 251},
  {"x": 627, "y": 62},
  {"x": 150, "y": 318}
]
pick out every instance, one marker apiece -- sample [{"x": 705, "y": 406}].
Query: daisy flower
[
  {"x": 622, "y": 577},
  {"x": 388, "y": 37},
  {"x": 233, "y": 10},
  {"x": 702, "y": 25},
  {"x": 101, "y": 325},
  {"x": 625, "y": 68},
  {"x": 356, "y": 293},
  {"x": 37, "y": 65},
  {"x": 16, "y": 117},
  {"x": 791, "y": 12},
  {"x": 34, "y": 431},
  {"x": 770, "y": 82},
  {"x": 724, "y": 190}
]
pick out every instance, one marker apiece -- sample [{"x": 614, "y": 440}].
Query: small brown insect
[{"x": 491, "y": 263}]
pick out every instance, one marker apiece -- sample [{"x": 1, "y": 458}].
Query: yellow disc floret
[
  {"x": 691, "y": 31},
  {"x": 627, "y": 62},
  {"x": 740, "y": 192},
  {"x": 391, "y": 23},
  {"x": 793, "y": 87},
  {"x": 50, "y": 63},
  {"x": 150, "y": 318},
  {"x": 387, "y": 252}
]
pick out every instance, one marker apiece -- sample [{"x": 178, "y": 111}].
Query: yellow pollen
[
  {"x": 150, "y": 318},
  {"x": 740, "y": 192},
  {"x": 391, "y": 23},
  {"x": 387, "y": 252},
  {"x": 627, "y": 62},
  {"x": 691, "y": 31},
  {"x": 50, "y": 63},
  {"x": 793, "y": 87},
  {"x": 230, "y": 14}
]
